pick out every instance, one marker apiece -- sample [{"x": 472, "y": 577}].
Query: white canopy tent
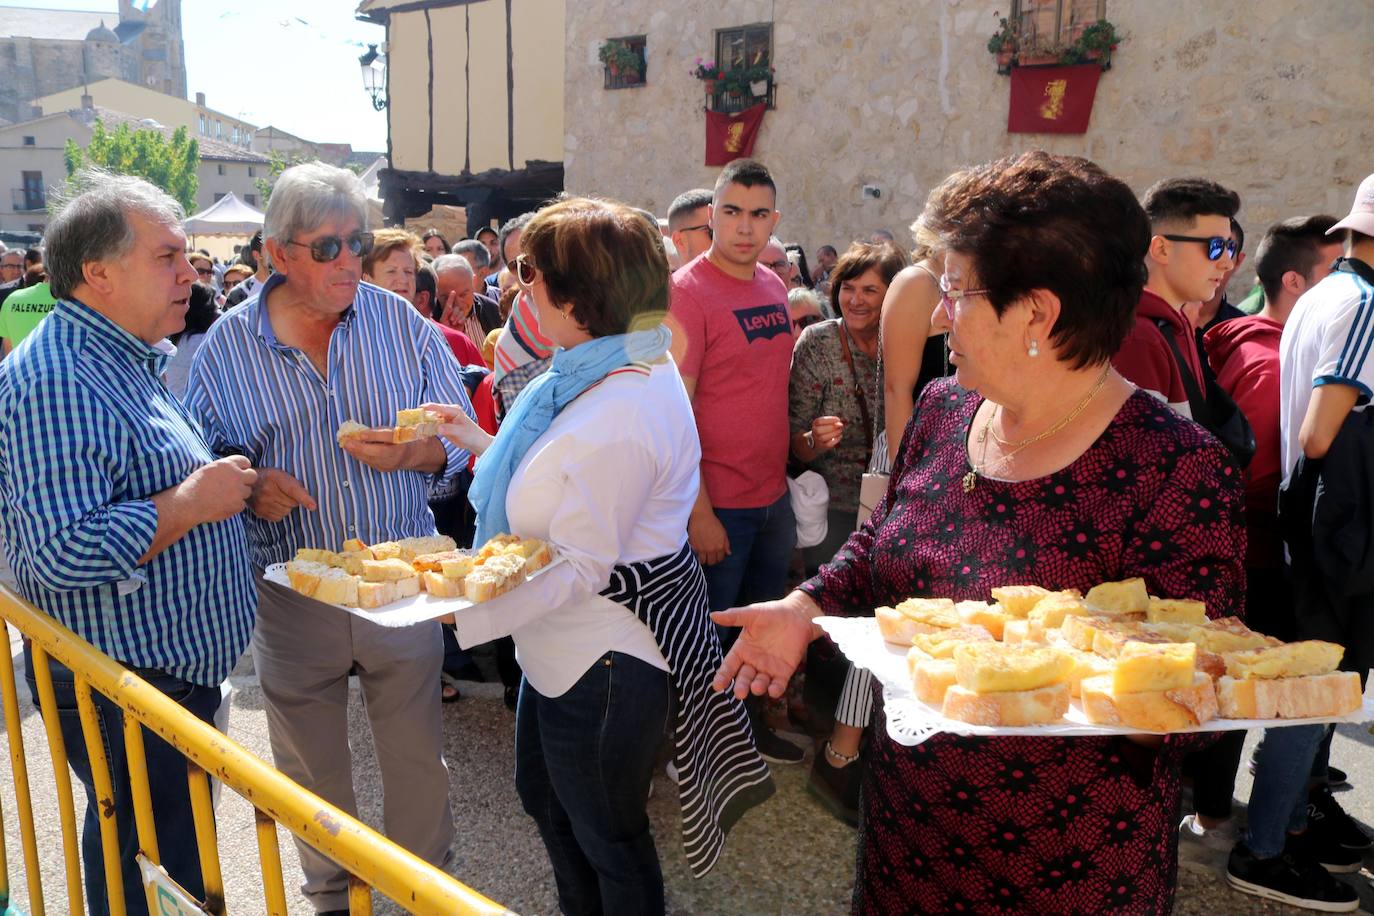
[{"x": 226, "y": 216}]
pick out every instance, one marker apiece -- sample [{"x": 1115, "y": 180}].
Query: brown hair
[
  {"x": 603, "y": 260},
  {"x": 1058, "y": 223},
  {"x": 507, "y": 300},
  {"x": 384, "y": 244},
  {"x": 860, "y": 258},
  {"x": 239, "y": 270}
]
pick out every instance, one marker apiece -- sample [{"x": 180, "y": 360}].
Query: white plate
[
  {"x": 909, "y": 721},
  {"x": 406, "y": 612}
]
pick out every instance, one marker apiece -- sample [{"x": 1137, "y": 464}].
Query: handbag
[{"x": 1218, "y": 413}]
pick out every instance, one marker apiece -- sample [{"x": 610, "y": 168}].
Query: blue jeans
[
  {"x": 176, "y": 832},
  {"x": 583, "y": 762},
  {"x": 1278, "y": 798},
  {"x": 755, "y": 569}
]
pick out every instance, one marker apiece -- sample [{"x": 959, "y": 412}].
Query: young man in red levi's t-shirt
[
  {"x": 1190, "y": 253},
  {"x": 732, "y": 339}
]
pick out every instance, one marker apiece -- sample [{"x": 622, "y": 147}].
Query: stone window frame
[
  {"x": 719, "y": 101},
  {"x": 1027, "y": 13},
  {"x": 636, "y": 43}
]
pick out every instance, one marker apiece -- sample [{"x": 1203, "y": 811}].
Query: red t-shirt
[
  {"x": 739, "y": 350},
  {"x": 462, "y": 347},
  {"x": 1146, "y": 360}
]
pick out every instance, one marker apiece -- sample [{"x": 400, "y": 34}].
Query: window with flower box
[
  {"x": 744, "y": 56},
  {"x": 1047, "y": 25},
  {"x": 624, "y": 61}
]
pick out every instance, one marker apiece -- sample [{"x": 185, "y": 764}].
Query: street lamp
[{"x": 374, "y": 76}]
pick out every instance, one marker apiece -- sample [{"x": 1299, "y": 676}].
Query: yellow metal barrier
[{"x": 372, "y": 861}]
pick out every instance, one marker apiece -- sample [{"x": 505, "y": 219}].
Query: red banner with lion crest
[{"x": 732, "y": 136}]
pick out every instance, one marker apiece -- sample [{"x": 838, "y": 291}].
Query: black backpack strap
[{"x": 1196, "y": 402}]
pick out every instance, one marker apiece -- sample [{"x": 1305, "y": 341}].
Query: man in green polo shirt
[{"x": 21, "y": 312}]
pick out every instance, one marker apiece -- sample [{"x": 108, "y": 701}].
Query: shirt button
[
  {"x": 353, "y": 528},
  {"x": 345, "y": 483}
]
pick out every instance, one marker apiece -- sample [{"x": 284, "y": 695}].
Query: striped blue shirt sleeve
[{"x": 63, "y": 501}]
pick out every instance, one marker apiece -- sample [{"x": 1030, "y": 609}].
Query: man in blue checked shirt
[
  {"x": 119, "y": 520},
  {"x": 273, "y": 381}
]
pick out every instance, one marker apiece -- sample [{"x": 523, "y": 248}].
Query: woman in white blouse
[{"x": 599, "y": 456}]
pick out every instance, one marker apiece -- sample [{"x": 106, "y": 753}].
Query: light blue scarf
[{"x": 570, "y": 373}]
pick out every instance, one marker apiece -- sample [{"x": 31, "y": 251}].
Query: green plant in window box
[
  {"x": 1098, "y": 41},
  {"x": 621, "y": 59}
]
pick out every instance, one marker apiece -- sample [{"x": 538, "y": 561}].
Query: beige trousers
[{"x": 303, "y": 651}]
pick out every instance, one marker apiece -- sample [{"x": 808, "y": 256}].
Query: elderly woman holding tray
[
  {"x": 599, "y": 456},
  {"x": 1036, "y": 464}
]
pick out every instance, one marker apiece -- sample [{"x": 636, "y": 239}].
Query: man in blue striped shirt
[
  {"x": 273, "y": 381},
  {"x": 119, "y": 520}
]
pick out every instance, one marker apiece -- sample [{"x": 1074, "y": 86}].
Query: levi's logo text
[{"x": 763, "y": 322}]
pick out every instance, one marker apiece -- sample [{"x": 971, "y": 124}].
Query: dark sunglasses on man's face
[
  {"x": 205, "y": 271},
  {"x": 702, "y": 228},
  {"x": 329, "y": 247},
  {"x": 1216, "y": 244},
  {"x": 805, "y": 321}
]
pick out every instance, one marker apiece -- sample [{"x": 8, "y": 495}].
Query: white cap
[{"x": 1361, "y": 217}]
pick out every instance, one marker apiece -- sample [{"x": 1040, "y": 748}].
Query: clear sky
[{"x": 292, "y": 64}]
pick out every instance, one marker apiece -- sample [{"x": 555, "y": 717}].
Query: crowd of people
[{"x": 1048, "y": 386}]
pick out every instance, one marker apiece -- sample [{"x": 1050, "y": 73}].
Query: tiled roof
[
  {"x": 209, "y": 148},
  {"x": 69, "y": 25}
]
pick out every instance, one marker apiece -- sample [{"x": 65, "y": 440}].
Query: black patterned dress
[{"x": 1034, "y": 825}]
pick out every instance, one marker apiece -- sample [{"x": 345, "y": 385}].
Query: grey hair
[
  {"x": 308, "y": 195},
  {"x": 809, "y": 296},
  {"x": 90, "y": 223},
  {"x": 454, "y": 263},
  {"x": 479, "y": 251}
]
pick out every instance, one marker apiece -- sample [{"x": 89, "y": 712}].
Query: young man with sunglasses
[
  {"x": 1190, "y": 253},
  {"x": 273, "y": 381},
  {"x": 732, "y": 339},
  {"x": 689, "y": 223}
]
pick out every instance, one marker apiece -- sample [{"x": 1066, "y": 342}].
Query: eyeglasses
[
  {"x": 1216, "y": 244},
  {"x": 780, "y": 264},
  {"x": 205, "y": 271},
  {"x": 805, "y": 321},
  {"x": 950, "y": 297},
  {"x": 702, "y": 228},
  {"x": 524, "y": 270},
  {"x": 328, "y": 248}
]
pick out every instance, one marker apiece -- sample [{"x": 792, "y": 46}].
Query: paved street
[{"x": 786, "y": 857}]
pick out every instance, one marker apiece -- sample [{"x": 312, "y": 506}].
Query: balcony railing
[
  {"x": 729, "y": 103},
  {"x": 28, "y": 199}
]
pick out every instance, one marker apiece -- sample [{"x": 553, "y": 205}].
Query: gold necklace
[{"x": 970, "y": 479}]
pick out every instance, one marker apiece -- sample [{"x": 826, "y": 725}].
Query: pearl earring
[{"x": 1034, "y": 349}]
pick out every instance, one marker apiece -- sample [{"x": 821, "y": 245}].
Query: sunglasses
[
  {"x": 702, "y": 228},
  {"x": 328, "y": 248},
  {"x": 1216, "y": 244},
  {"x": 205, "y": 271},
  {"x": 524, "y": 270},
  {"x": 805, "y": 321},
  {"x": 950, "y": 297}
]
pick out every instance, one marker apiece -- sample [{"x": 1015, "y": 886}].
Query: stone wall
[{"x": 1268, "y": 97}]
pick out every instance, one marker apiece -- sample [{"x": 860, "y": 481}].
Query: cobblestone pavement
[{"x": 787, "y": 856}]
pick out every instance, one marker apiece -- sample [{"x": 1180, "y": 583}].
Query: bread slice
[
  {"x": 434, "y": 543},
  {"x": 990, "y": 617},
  {"x": 1086, "y": 665},
  {"x": 348, "y": 429},
  {"x": 353, "y": 545},
  {"x": 387, "y": 570},
  {"x": 1294, "y": 659},
  {"x": 936, "y": 612},
  {"x": 496, "y": 576},
  {"x": 1171, "y": 710},
  {"x": 338, "y": 587},
  {"x": 412, "y": 425},
  {"x": 930, "y": 677},
  {"x": 988, "y": 667},
  {"x": 386, "y": 550},
  {"x": 1015, "y": 632},
  {"x": 434, "y": 562},
  {"x": 1007, "y": 708},
  {"x": 372, "y": 595},
  {"x": 312, "y": 555},
  {"x": 352, "y": 561},
  {"x": 1017, "y": 600},
  {"x": 1143, "y": 666},
  {"x": 942, "y": 643},
  {"x": 440, "y": 586},
  {"x": 305, "y": 575},
  {"x": 408, "y": 587},
  {"x": 537, "y": 554},
  {"x": 1128, "y": 596},
  {"x": 898, "y": 628},
  {"x": 1172, "y": 610},
  {"x": 1335, "y": 694}
]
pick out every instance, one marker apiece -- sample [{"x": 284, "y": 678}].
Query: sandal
[{"x": 448, "y": 693}]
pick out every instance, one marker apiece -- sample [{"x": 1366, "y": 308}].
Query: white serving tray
[
  {"x": 408, "y": 611},
  {"x": 910, "y": 722}
]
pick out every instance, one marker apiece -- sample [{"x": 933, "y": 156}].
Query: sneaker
[
  {"x": 1289, "y": 880},
  {"x": 1336, "y": 778},
  {"x": 1327, "y": 817},
  {"x": 774, "y": 748},
  {"x": 837, "y": 788},
  {"x": 1316, "y": 846},
  {"x": 1217, "y": 840}
]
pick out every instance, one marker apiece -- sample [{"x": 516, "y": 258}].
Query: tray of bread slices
[
  {"x": 398, "y": 583},
  {"x": 1114, "y": 661}
]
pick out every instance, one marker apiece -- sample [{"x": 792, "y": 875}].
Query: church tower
[{"x": 155, "y": 34}]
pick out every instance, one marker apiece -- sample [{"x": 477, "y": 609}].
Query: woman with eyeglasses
[
  {"x": 834, "y": 402},
  {"x": 599, "y": 455},
  {"x": 1035, "y": 464}
]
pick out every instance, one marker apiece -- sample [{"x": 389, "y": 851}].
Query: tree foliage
[
  {"x": 171, "y": 164},
  {"x": 276, "y": 165}
]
